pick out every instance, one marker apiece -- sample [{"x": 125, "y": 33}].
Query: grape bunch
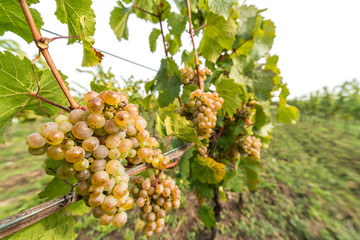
[
  {"x": 155, "y": 199},
  {"x": 191, "y": 77},
  {"x": 202, "y": 109},
  {"x": 250, "y": 145},
  {"x": 93, "y": 145},
  {"x": 246, "y": 112}
]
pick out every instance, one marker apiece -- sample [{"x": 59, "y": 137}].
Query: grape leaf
[
  {"x": 187, "y": 90},
  {"x": 260, "y": 117},
  {"x": 218, "y": 34},
  {"x": 263, "y": 40},
  {"x": 247, "y": 21},
  {"x": 249, "y": 170},
  {"x": 242, "y": 66},
  {"x": 56, "y": 226},
  {"x": 91, "y": 57},
  {"x": 160, "y": 126},
  {"x": 204, "y": 189},
  {"x": 271, "y": 64},
  {"x": 230, "y": 92},
  {"x": 78, "y": 208},
  {"x": 149, "y": 6},
  {"x": 180, "y": 127},
  {"x": 235, "y": 184},
  {"x": 16, "y": 86},
  {"x": 261, "y": 83},
  {"x": 207, "y": 170},
  {"x": 188, "y": 57},
  {"x": 221, "y": 7},
  {"x": 118, "y": 21},
  {"x": 184, "y": 165},
  {"x": 51, "y": 166},
  {"x": 177, "y": 22},
  {"x": 173, "y": 42},
  {"x": 222, "y": 194},
  {"x": 71, "y": 12},
  {"x": 168, "y": 82},
  {"x": 155, "y": 33},
  {"x": 207, "y": 216},
  {"x": 56, "y": 188},
  {"x": 286, "y": 114},
  {"x": 12, "y": 19}
]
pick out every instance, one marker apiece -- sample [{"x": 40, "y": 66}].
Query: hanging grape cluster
[
  {"x": 246, "y": 112},
  {"x": 92, "y": 146},
  {"x": 190, "y": 76},
  {"x": 202, "y": 109},
  {"x": 155, "y": 199},
  {"x": 250, "y": 146}
]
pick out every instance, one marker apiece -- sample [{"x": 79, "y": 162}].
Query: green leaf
[
  {"x": 155, "y": 33},
  {"x": 91, "y": 57},
  {"x": 56, "y": 188},
  {"x": 247, "y": 21},
  {"x": 287, "y": 114},
  {"x": 221, "y": 7},
  {"x": 249, "y": 171},
  {"x": 168, "y": 82},
  {"x": 261, "y": 83},
  {"x": 12, "y": 19},
  {"x": 271, "y": 64},
  {"x": 222, "y": 194},
  {"x": 218, "y": 34},
  {"x": 205, "y": 190},
  {"x": 207, "y": 170},
  {"x": 16, "y": 86},
  {"x": 187, "y": 90},
  {"x": 235, "y": 184},
  {"x": 160, "y": 126},
  {"x": 78, "y": 208},
  {"x": 207, "y": 216},
  {"x": 118, "y": 21},
  {"x": 188, "y": 57},
  {"x": 149, "y": 6},
  {"x": 230, "y": 92},
  {"x": 242, "y": 66},
  {"x": 184, "y": 165},
  {"x": 98, "y": 87},
  {"x": 260, "y": 117},
  {"x": 180, "y": 127},
  {"x": 71, "y": 12},
  {"x": 263, "y": 40},
  {"x": 173, "y": 42},
  {"x": 177, "y": 22},
  {"x": 51, "y": 165},
  {"x": 55, "y": 226}
]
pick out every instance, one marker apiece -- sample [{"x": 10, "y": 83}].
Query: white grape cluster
[
  {"x": 92, "y": 146},
  {"x": 202, "y": 109},
  {"x": 250, "y": 145},
  {"x": 155, "y": 199},
  {"x": 190, "y": 76}
]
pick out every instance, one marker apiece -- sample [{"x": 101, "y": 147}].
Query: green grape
[
  {"x": 82, "y": 176},
  {"x": 119, "y": 219},
  {"x": 111, "y": 127},
  {"x": 132, "y": 110},
  {"x": 74, "y": 154},
  {"x": 109, "y": 203},
  {"x": 129, "y": 203},
  {"x": 131, "y": 130},
  {"x": 143, "y": 135},
  {"x": 81, "y": 130},
  {"x": 113, "y": 141},
  {"x": 98, "y": 165},
  {"x": 91, "y": 144},
  {"x": 95, "y": 190},
  {"x": 83, "y": 188},
  {"x": 95, "y": 105},
  {"x": 76, "y": 115},
  {"x": 96, "y": 120},
  {"x": 125, "y": 145},
  {"x": 37, "y": 151},
  {"x": 100, "y": 178},
  {"x": 65, "y": 171},
  {"x": 35, "y": 140},
  {"x": 56, "y": 152},
  {"x": 55, "y": 137},
  {"x": 65, "y": 127},
  {"x": 140, "y": 202},
  {"x": 95, "y": 201},
  {"x": 89, "y": 95},
  {"x": 112, "y": 166},
  {"x": 114, "y": 153},
  {"x": 61, "y": 118},
  {"x": 81, "y": 165},
  {"x": 101, "y": 152},
  {"x": 111, "y": 98},
  {"x": 109, "y": 185},
  {"x": 46, "y": 128},
  {"x": 120, "y": 189},
  {"x": 122, "y": 118},
  {"x": 98, "y": 212}
]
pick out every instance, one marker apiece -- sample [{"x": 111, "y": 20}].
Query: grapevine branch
[
  {"x": 201, "y": 84},
  {"x": 40, "y": 41},
  {"x": 28, "y": 217}
]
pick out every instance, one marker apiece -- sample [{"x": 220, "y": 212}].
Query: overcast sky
[{"x": 318, "y": 42}]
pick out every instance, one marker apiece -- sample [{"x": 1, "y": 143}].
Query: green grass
[{"x": 310, "y": 190}]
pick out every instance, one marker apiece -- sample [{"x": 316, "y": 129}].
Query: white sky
[{"x": 318, "y": 42}]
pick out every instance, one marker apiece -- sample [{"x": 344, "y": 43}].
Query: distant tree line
[{"x": 341, "y": 102}]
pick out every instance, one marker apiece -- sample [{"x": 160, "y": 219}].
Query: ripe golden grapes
[
  {"x": 190, "y": 76},
  {"x": 250, "y": 145}
]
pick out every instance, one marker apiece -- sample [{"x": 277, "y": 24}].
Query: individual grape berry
[
  {"x": 35, "y": 140},
  {"x": 76, "y": 115},
  {"x": 91, "y": 144},
  {"x": 96, "y": 120},
  {"x": 61, "y": 118},
  {"x": 37, "y": 151},
  {"x": 111, "y": 98},
  {"x": 65, "y": 127},
  {"x": 56, "y": 152},
  {"x": 90, "y": 95},
  {"x": 55, "y": 137},
  {"x": 81, "y": 130},
  {"x": 46, "y": 128},
  {"x": 65, "y": 171},
  {"x": 95, "y": 105}
]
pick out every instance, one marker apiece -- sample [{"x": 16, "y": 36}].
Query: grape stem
[
  {"x": 201, "y": 84},
  {"x": 162, "y": 30},
  {"x": 40, "y": 41},
  {"x": 199, "y": 28},
  {"x": 167, "y": 144}
]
